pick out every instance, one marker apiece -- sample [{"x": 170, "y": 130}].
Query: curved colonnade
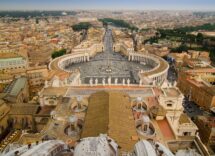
[
  {"x": 62, "y": 62},
  {"x": 155, "y": 76}
]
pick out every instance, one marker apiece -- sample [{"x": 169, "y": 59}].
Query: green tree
[
  {"x": 199, "y": 38},
  {"x": 118, "y": 23},
  {"x": 59, "y": 53},
  {"x": 191, "y": 39},
  {"x": 81, "y": 26},
  {"x": 181, "y": 48},
  {"x": 37, "y": 20}
]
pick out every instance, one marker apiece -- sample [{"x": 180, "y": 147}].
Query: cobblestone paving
[{"x": 121, "y": 68}]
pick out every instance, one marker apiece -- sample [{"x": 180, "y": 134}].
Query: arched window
[{"x": 169, "y": 104}]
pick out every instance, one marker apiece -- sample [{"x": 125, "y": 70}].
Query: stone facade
[
  {"x": 192, "y": 83},
  {"x": 171, "y": 99},
  {"x": 12, "y": 61},
  {"x": 37, "y": 75}
]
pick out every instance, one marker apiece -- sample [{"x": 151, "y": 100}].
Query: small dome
[
  {"x": 145, "y": 118},
  {"x": 139, "y": 99},
  {"x": 79, "y": 98},
  {"x": 73, "y": 119},
  {"x": 53, "y": 113}
]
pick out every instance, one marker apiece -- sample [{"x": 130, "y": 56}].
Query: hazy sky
[{"x": 107, "y": 4}]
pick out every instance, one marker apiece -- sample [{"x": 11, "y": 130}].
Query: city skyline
[
  {"x": 107, "y": 5},
  {"x": 108, "y": 78}
]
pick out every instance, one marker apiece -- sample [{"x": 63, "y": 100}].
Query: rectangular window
[{"x": 169, "y": 105}]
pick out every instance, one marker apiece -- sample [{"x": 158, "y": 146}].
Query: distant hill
[{"x": 27, "y": 14}]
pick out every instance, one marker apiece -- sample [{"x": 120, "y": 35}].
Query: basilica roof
[{"x": 109, "y": 113}]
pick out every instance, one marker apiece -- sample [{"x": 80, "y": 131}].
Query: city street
[
  {"x": 120, "y": 67},
  {"x": 191, "y": 108},
  {"x": 172, "y": 73}
]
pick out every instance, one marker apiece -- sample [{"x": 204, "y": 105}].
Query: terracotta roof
[
  {"x": 6, "y": 76},
  {"x": 166, "y": 130},
  {"x": 8, "y": 55},
  {"x": 108, "y": 113}
]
